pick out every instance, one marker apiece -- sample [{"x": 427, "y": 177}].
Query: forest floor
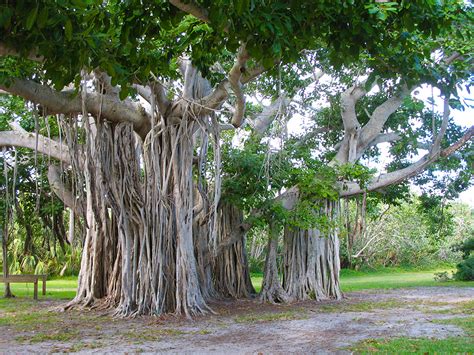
[
  {"x": 413, "y": 319},
  {"x": 442, "y": 317}
]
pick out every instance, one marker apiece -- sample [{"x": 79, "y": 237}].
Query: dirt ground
[{"x": 244, "y": 326}]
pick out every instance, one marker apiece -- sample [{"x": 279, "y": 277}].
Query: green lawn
[
  {"x": 60, "y": 288},
  {"x": 390, "y": 278},
  {"x": 65, "y": 288},
  {"x": 387, "y": 278}
]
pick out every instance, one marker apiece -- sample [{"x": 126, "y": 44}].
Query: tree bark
[
  {"x": 272, "y": 290},
  {"x": 311, "y": 259},
  {"x": 231, "y": 272}
]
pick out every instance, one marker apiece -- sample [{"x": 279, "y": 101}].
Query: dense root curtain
[
  {"x": 156, "y": 240},
  {"x": 310, "y": 266},
  {"x": 272, "y": 290},
  {"x": 231, "y": 272},
  {"x": 139, "y": 249},
  {"x": 311, "y": 263}
]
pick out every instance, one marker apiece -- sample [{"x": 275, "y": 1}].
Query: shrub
[{"x": 465, "y": 268}]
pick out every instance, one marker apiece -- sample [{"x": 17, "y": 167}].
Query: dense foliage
[{"x": 465, "y": 269}]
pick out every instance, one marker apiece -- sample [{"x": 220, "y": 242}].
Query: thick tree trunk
[
  {"x": 231, "y": 272},
  {"x": 99, "y": 277},
  {"x": 311, "y": 259},
  {"x": 272, "y": 290},
  {"x": 139, "y": 247}
]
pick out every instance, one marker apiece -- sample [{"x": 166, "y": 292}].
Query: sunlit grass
[
  {"x": 404, "y": 345},
  {"x": 389, "y": 278},
  {"x": 392, "y": 278},
  {"x": 60, "y": 288}
]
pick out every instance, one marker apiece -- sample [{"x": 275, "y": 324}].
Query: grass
[
  {"x": 451, "y": 345},
  {"x": 364, "y": 306},
  {"x": 59, "y": 288},
  {"x": 60, "y": 336},
  {"x": 142, "y": 335},
  {"x": 464, "y": 307},
  {"x": 268, "y": 317},
  {"x": 33, "y": 317},
  {"x": 386, "y": 278},
  {"x": 392, "y": 278}
]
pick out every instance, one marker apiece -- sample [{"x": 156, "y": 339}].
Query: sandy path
[{"x": 248, "y": 327}]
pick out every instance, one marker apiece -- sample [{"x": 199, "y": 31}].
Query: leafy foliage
[{"x": 465, "y": 269}]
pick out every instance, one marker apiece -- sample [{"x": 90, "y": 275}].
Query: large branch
[
  {"x": 238, "y": 76},
  {"x": 235, "y": 76},
  {"x": 108, "y": 107},
  {"x": 261, "y": 123},
  {"x": 349, "y": 99},
  {"x": 45, "y": 145},
  {"x": 381, "y": 138},
  {"x": 348, "y": 147},
  {"x": 379, "y": 117},
  {"x": 192, "y": 9},
  {"x": 444, "y": 125},
  {"x": 411, "y": 170}
]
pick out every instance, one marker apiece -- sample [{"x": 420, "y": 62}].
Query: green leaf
[
  {"x": 68, "y": 29},
  {"x": 123, "y": 93},
  {"x": 31, "y": 18},
  {"x": 42, "y": 17},
  {"x": 5, "y": 17}
]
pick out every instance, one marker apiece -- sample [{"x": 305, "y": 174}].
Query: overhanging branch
[
  {"x": 192, "y": 9},
  {"x": 411, "y": 170},
  {"x": 109, "y": 107},
  {"x": 46, "y": 146}
]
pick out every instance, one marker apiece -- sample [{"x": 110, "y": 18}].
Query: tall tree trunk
[
  {"x": 272, "y": 290},
  {"x": 71, "y": 226},
  {"x": 101, "y": 255},
  {"x": 153, "y": 248},
  {"x": 231, "y": 271},
  {"x": 311, "y": 259}
]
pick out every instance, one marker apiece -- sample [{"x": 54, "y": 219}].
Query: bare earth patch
[{"x": 244, "y": 326}]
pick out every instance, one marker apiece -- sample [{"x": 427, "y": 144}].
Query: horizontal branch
[
  {"x": 192, "y": 9},
  {"x": 108, "y": 107},
  {"x": 398, "y": 176},
  {"x": 45, "y": 146}
]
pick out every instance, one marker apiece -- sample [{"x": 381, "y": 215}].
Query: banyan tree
[{"x": 143, "y": 93}]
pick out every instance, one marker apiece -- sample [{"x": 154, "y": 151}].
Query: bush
[{"x": 465, "y": 268}]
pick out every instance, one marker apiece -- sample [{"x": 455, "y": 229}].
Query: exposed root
[{"x": 311, "y": 261}]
